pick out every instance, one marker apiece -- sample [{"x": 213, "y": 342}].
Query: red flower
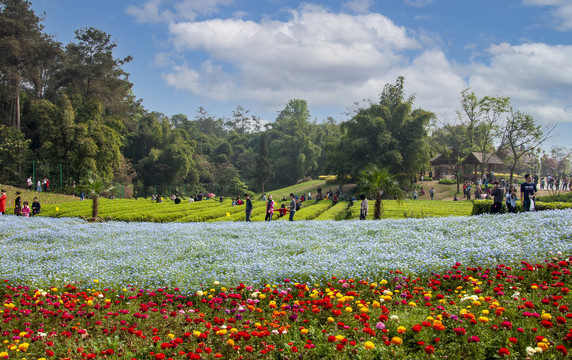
[
  {"x": 504, "y": 352},
  {"x": 331, "y": 338},
  {"x": 513, "y": 340},
  {"x": 49, "y": 353},
  {"x": 249, "y": 348},
  {"x": 295, "y": 349},
  {"x": 160, "y": 356},
  {"x": 416, "y": 328},
  {"x": 429, "y": 349}
]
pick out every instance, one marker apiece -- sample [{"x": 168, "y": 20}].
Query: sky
[{"x": 220, "y": 54}]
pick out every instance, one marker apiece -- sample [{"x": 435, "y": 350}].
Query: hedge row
[{"x": 484, "y": 206}]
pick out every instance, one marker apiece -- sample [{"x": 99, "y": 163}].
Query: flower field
[{"x": 480, "y": 287}]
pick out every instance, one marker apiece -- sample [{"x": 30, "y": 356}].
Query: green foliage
[
  {"x": 379, "y": 183},
  {"x": 563, "y": 197},
  {"x": 484, "y": 206},
  {"x": 336, "y": 212},
  {"x": 389, "y": 134},
  {"x": 13, "y": 152},
  {"x": 447, "y": 182}
]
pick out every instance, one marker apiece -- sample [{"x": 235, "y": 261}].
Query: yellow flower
[
  {"x": 331, "y": 319},
  {"x": 396, "y": 340},
  {"x": 304, "y": 331},
  {"x": 544, "y": 346},
  {"x": 95, "y": 281},
  {"x": 401, "y": 329},
  {"x": 369, "y": 345},
  {"x": 23, "y": 346},
  {"x": 483, "y": 319},
  {"x": 348, "y": 309},
  {"x": 339, "y": 337},
  {"x": 230, "y": 342},
  {"x": 534, "y": 287},
  {"x": 171, "y": 336},
  {"x": 546, "y": 316}
]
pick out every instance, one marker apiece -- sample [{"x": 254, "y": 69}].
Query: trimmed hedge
[
  {"x": 484, "y": 206},
  {"x": 563, "y": 197},
  {"x": 447, "y": 182}
]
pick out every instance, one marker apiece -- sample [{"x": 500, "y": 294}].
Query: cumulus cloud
[
  {"x": 334, "y": 59},
  {"x": 315, "y": 53},
  {"x": 561, "y": 11},
  {"x": 154, "y": 11},
  {"x": 358, "y": 6}
]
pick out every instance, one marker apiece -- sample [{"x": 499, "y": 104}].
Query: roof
[{"x": 476, "y": 158}]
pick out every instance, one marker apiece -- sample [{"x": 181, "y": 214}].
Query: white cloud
[
  {"x": 154, "y": 11},
  {"x": 561, "y": 11},
  {"x": 537, "y": 77},
  {"x": 358, "y": 6},
  {"x": 316, "y": 53},
  {"x": 418, "y": 3}
]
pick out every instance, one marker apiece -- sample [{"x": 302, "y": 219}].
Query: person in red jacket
[{"x": 3, "y": 202}]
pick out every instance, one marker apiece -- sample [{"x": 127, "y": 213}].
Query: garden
[{"x": 472, "y": 287}]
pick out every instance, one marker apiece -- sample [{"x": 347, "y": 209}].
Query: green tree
[
  {"x": 263, "y": 171},
  {"x": 92, "y": 71},
  {"x": 94, "y": 188},
  {"x": 380, "y": 183},
  {"x": 25, "y": 51},
  {"x": 14, "y": 151},
  {"x": 522, "y": 136},
  {"x": 293, "y": 155}
]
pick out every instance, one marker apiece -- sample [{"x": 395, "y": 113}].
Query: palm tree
[
  {"x": 94, "y": 188},
  {"x": 380, "y": 182}
]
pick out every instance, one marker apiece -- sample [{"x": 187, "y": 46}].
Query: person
[
  {"x": 414, "y": 194},
  {"x": 153, "y": 197},
  {"x": 527, "y": 192},
  {"x": 264, "y": 197},
  {"x": 238, "y": 201},
  {"x": 3, "y": 202},
  {"x": 292, "y": 207},
  {"x": 17, "y": 203},
  {"x": 36, "y": 207},
  {"x": 159, "y": 198},
  {"x": 269, "y": 208},
  {"x": 498, "y": 195},
  {"x": 478, "y": 193},
  {"x": 309, "y": 196},
  {"x": 25, "y": 212},
  {"x": 469, "y": 191},
  {"x": 29, "y": 183},
  {"x": 248, "y": 210},
  {"x": 221, "y": 198},
  {"x": 284, "y": 198},
  {"x": 177, "y": 200},
  {"x": 511, "y": 199},
  {"x": 335, "y": 199},
  {"x": 282, "y": 211},
  {"x": 200, "y": 197},
  {"x": 364, "y": 207},
  {"x": 432, "y": 193},
  {"x": 39, "y": 186},
  {"x": 191, "y": 199}
]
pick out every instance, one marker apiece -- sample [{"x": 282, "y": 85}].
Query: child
[
  {"x": 36, "y": 207},
  {"x": 17, "y": 204},
  {"x": 25, "y": 212},
  {"x": 283, "y": 210}
]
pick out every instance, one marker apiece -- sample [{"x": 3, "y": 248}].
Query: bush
[
  {"x": 565, "y": 197},
  {"x": 484, "y": 206},
  {"x": 447, "y": 182}
]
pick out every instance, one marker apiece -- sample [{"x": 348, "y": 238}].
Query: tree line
[{"x": 73, "y": 104}]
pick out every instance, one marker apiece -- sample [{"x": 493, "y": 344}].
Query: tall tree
[
  {"x": 92, "y": 71},
  {"x": 263, "y": 171},
  {"x": 522, "y": 136},
  {"x": 21, "y": 40}
]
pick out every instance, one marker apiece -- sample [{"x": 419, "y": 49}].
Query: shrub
[
  {"x": 447, "y": 182},
  {"x": 484, "y": 206}
]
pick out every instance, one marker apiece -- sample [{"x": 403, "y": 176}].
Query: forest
[{"x": 68, "y": 112}]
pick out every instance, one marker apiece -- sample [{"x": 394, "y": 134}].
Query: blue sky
[{"x": 259, "y": 54}]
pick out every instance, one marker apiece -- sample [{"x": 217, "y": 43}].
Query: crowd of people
[{"x": 528, "y": 192}]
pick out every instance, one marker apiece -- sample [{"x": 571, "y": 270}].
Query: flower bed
[
  {"x": 312, "y": 290},
  {"x": 467, "y": 311}
]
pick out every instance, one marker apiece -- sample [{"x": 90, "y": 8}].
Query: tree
[
  {"x": 263, "y": 171},
  {"x": 92, "y": 71},
  {"x": 21, "y": 40},
  {"x": 380, "y": 183},
  {"x": 389, "y": 134},
  {"x": 293, "y": 155},
  {"x": 14, "y": 148},
  {"x": 522, "y": 136},
  {"x": 482, "y": 119},
  {"x": 94, "y": 188}
]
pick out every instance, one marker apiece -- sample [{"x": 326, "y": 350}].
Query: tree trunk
[
  {"x": 263, "y": 188},
  {"x": 95, "y": 208},
  {"x": 378, "y": 206}
]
